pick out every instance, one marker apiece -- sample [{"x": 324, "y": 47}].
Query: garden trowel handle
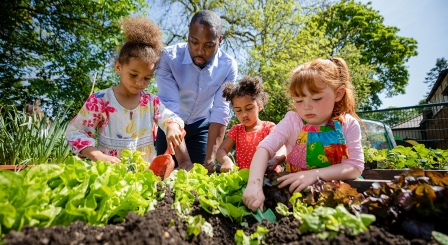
[{"x": 168, "y": 148}]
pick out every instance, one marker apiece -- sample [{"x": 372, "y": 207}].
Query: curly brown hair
[
  {"x": 333, "y": 72},
  {"x": 248, "y": 86},
  {"x": 143, "y": 40}
]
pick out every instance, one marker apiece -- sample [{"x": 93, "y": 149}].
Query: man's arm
[{"x": 216, "y": 133}]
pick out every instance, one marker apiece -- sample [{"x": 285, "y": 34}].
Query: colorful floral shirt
[
  {"x": 103, "y": 123},
  {"x": 247, "y": 142}
]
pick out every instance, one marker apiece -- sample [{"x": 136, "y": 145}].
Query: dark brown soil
[{"x": 162, "y": 227}]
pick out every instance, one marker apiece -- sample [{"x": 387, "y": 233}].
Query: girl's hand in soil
[
  {"x": 96, "y": 155},
  {"x": 253, "y": 197},
  {"x": 298, "y": 181}
]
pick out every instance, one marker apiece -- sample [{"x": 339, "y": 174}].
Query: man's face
[{"x": 203, "y": 43}]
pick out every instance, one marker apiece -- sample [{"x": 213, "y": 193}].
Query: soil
[{"x": 157, "y": 228}]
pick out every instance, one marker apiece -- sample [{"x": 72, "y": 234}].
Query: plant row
[
  {"x": 402, "y": 157},
  {"x": 99, "y": 193}
]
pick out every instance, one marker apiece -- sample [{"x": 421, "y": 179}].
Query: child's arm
[
  {"x": 300, "y": 180},
  {"x": 279, "y": 158},
  {"x": 222, "y": 157},
  {"x": 95, "y": 155},
  {"x": 81, "y": 131},
  {"x": 253, "y": 195}
]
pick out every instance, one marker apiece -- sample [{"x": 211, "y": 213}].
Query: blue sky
[{"x": 427, "y": 22}]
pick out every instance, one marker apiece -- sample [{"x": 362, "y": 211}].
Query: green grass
[{"x": 28, "y": 140}]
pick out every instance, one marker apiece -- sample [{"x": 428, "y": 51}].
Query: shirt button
[{"x": 200, "y": 88}]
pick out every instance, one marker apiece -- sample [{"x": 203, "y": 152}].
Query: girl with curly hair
[
  {"x": 124, "y": 116},
  {"x": 247, "y": 100}
]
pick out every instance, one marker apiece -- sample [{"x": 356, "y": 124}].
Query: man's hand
[
  {"x": 186, "y": 165},
  {"x": 210, "y": 167}
]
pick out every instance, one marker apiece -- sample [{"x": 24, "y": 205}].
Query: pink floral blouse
[{"x": 103, "y": 123}]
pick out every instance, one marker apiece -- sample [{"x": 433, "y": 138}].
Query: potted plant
[{"x": 31, "y": 138}]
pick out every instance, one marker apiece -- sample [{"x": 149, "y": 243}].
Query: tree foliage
[
  {"x": 267, "y": 38},
  {"x": 433, "y": 74},
  {"x": 51, "y": 50},
  {"x": 350, "y": 23}
]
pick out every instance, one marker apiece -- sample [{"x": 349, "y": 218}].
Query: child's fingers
[
  {"x": 170, "y": 146},
  {"x": 297, "y": 187},
  {"x": 284, "y": 181}
]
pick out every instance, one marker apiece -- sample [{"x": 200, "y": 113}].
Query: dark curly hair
[
  {"x": 248, "y": 86},
  {"x": 143, "y": 40}
]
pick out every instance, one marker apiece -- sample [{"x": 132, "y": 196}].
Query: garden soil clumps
[{"x": 162, "y": 226}]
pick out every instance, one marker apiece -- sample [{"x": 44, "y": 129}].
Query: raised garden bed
[
  {"x": 163, "y": 226},
  {"x": 104, "y": 194},
  {"x": 371, "y": 176}
]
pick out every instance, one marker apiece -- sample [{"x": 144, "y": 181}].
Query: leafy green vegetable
[
  {"x": 59, "y": 194},
  {"x": 440, "y": 237},
  {"x": 326, "y": 221},
  {"x": 196, "y": 224},
  {"x": 402, "y": 157},
  {"x": 253, "y": 239},
  {"x": 217, "y": 193}
]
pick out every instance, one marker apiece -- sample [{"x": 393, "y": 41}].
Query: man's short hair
[{"x": 209, "y": 18}]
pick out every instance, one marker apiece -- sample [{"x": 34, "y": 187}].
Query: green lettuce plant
[{"x": 59, "y": 194}]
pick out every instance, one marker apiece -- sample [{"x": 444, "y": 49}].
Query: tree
[
  {"x": 349, "y": 23},
  {"x": 51, "y": 50},
  {"x": 433, "y": 74},
  {"x": 267, "y": 38}
]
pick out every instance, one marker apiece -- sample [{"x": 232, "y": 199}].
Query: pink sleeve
[
  {"x": 352, "y": 132},
  {"x": 285, "y": 133}
]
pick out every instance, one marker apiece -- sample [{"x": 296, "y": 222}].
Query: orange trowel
[{"x": 163, "y": 165}]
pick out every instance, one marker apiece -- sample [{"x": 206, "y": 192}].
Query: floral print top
[{"x": 103, "y": 123}]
